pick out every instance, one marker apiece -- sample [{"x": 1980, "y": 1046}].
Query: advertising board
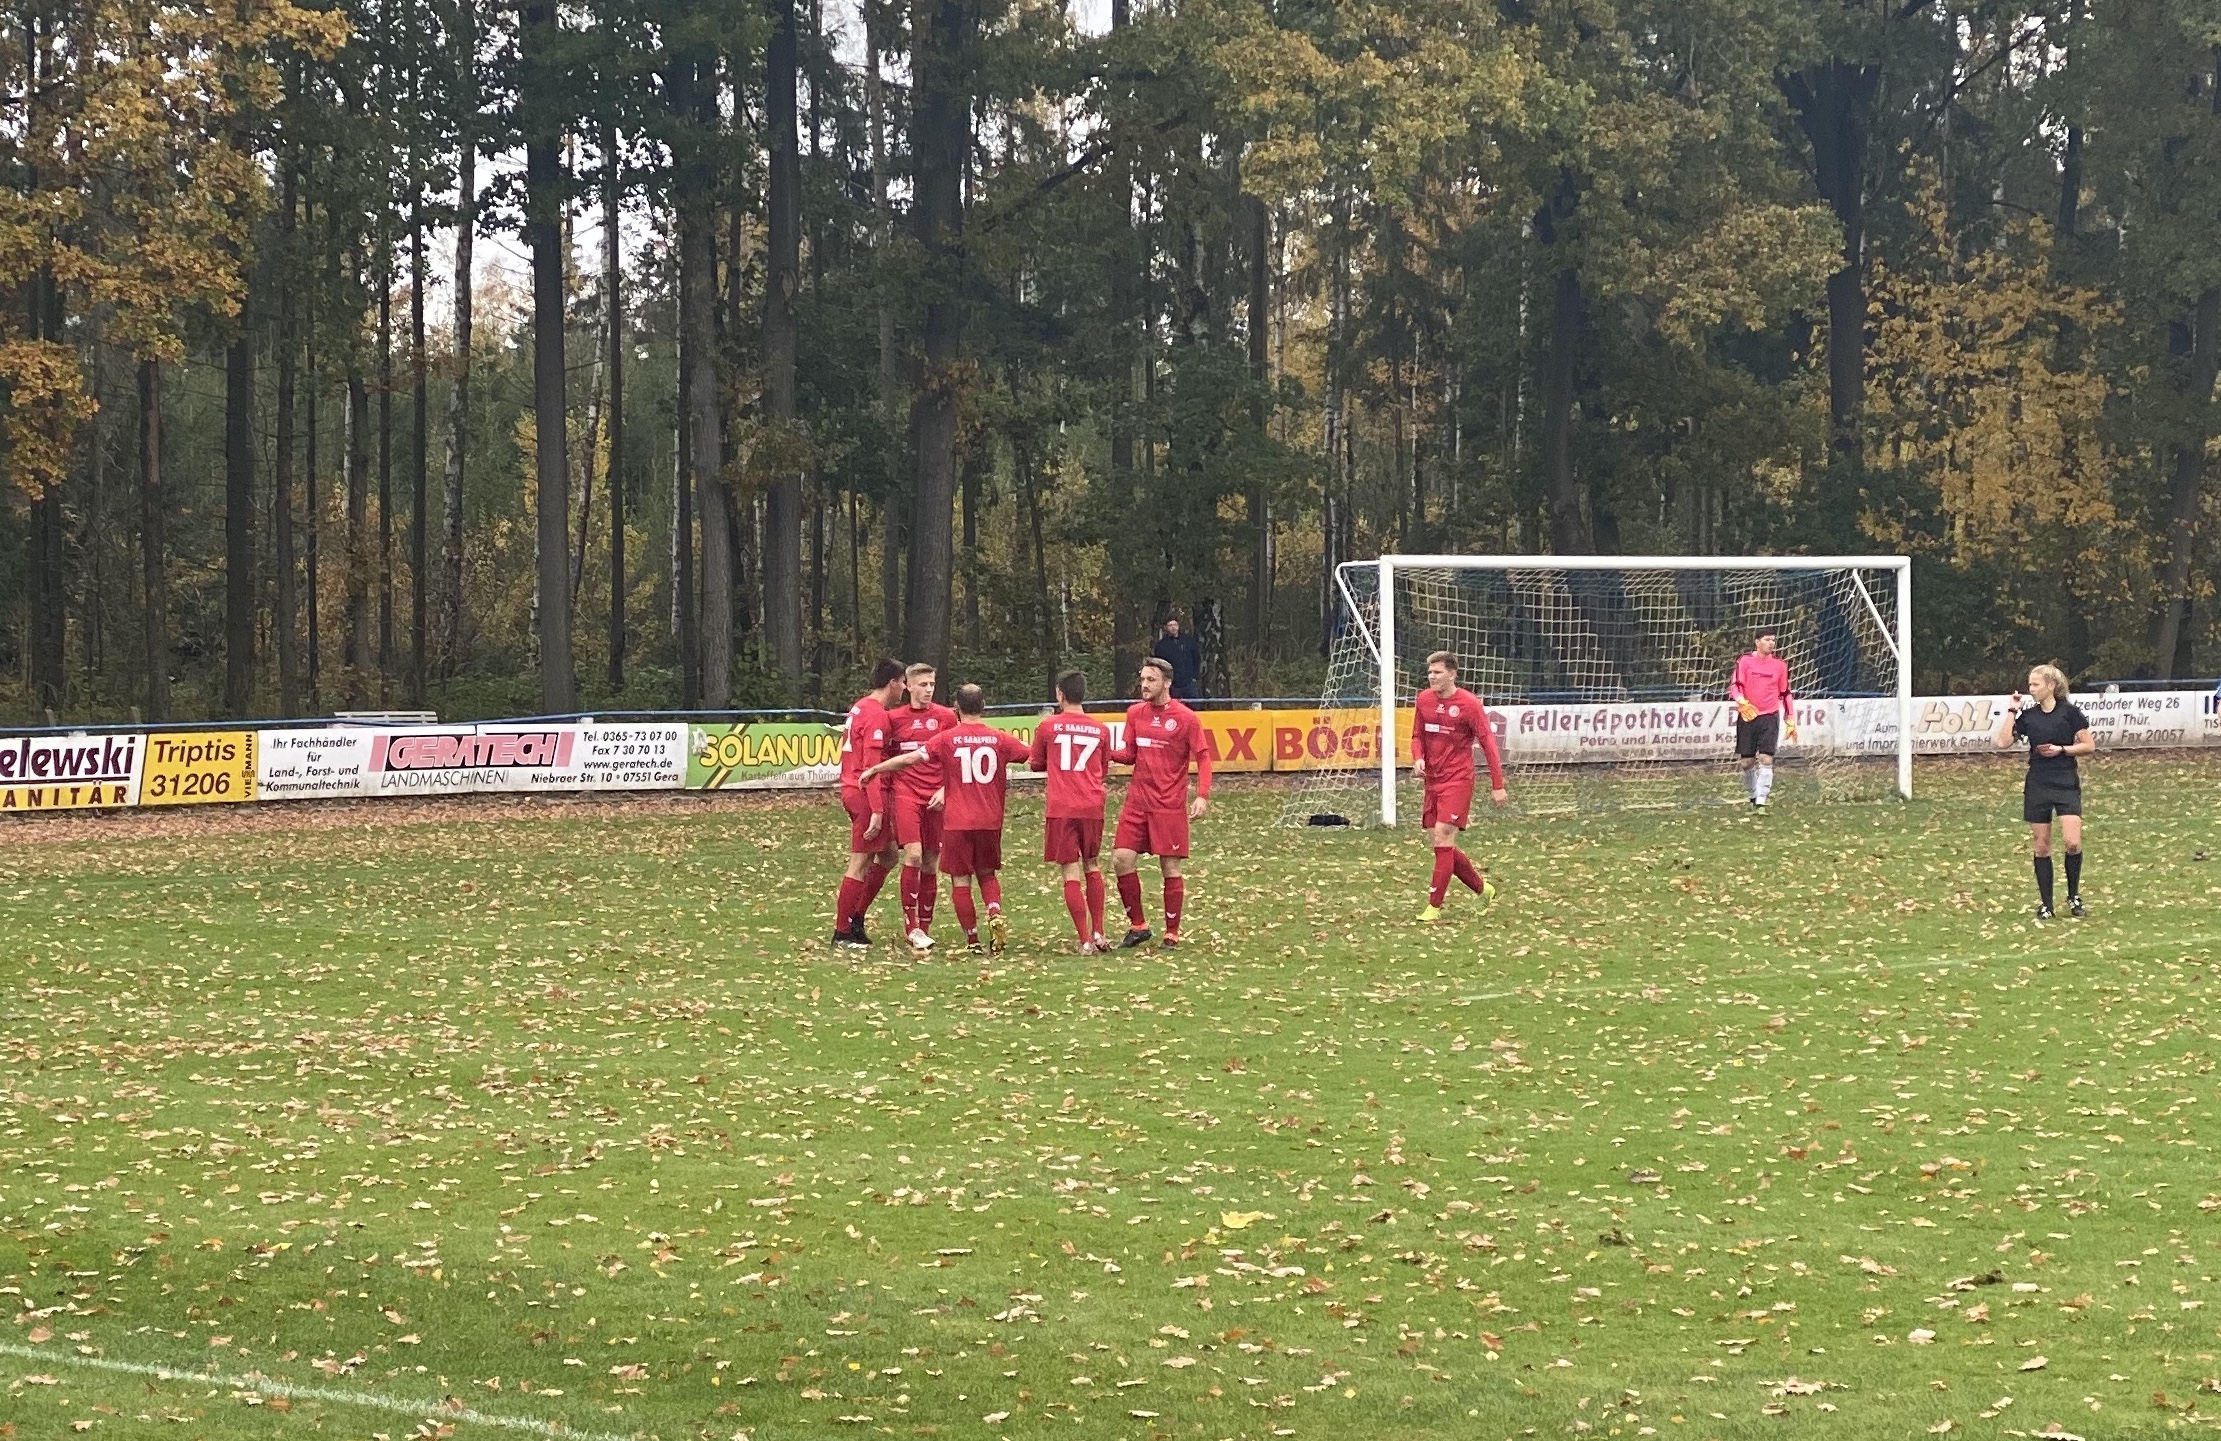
[
  {"x": 194, "y": 768},
  {"x": 69, "y": 772}
]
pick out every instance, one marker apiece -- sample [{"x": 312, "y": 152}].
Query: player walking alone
[
  {"x": 971, "y": 757},
  {"x": 871, "y": 838},
  {"x": 1448, "y": 725},
  {"x": 2056, "y": 731},
  {"x": 1764, "y": 713},
  {"x": 918, "y": 825},
  {"x": 1163, "y": 738},
  {"x": 1072, "y": 749}
]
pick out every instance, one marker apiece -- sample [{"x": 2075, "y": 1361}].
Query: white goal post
[{"x": 1562, "y": 639}]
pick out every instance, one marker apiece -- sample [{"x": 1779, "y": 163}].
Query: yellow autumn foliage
[{"x": 1981, "y": 381}]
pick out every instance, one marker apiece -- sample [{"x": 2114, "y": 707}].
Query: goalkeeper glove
[
  {"x": 1789, "y": 726},
  {"x": 1746, "y": 710}
]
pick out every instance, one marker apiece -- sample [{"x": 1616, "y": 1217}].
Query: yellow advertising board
[{"x": 190, "y": 768}]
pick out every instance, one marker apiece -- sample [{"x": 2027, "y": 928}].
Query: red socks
[
  {"x": 991, "y": 891},
  {"x": 929, "y": 888},
  {"x": 909, "y": 899},
  {"x": 1129, "y": 896},
  {"x": 875, "y": 876},
  {"x": 1075, "y": 903},
  {"x": 1094, "y": 903},
  {"x": 1175, "y": 897},
  {"x": 845, "y": 905},
  {"x": 1445, "y": 865},
  {"x": 1465, "y": 871},
  {"x": 967, "y": 919}
]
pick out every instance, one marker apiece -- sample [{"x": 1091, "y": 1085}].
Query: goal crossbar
[{"x": 1383, "y": 646}]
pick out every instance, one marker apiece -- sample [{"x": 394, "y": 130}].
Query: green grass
[{"x": 579, "y": 1102}]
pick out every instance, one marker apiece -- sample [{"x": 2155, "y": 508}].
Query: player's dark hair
[
  {"x": 886, "y": 672},
  {"x": 1444, "y": 659},
  {"x": 1073, "y": 687},
  {"x": 970, "y": 700},
  {"x": 1160, "y": 665},
  {"x": 1762, "y": 632}
]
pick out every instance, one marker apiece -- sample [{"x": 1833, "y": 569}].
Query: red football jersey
[
  {"x": 972, "y": 760},
  {"x": 1444, "y": 732},
  {"x": 864, "y": 743},
  {"x": 910, "y": 728},
  {"x": 1073, "y": 751},
  {"x": 1161, "y": 742}
]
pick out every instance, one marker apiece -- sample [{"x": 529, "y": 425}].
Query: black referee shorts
[
  {"x": 1758, "y": 736},
  {"x": 2042, "y": 798}
]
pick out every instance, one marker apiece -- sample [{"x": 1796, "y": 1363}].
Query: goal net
[{"x": 1606, "y": 677}]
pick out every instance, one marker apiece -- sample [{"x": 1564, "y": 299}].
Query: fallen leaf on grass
[{"x": 2035, "y": 1363}]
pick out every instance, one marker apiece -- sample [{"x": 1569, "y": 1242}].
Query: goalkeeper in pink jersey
[{"x": 1764, "y": 713}]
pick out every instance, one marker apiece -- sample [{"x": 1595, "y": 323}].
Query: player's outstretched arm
[
  {"x": 1202, "y": 801},
  {"x": 892, "y": 764}
]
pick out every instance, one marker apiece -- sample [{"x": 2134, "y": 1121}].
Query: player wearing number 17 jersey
[
  {"x": 1447, "y": 723},
  {"x": 1072, "y": 749}
]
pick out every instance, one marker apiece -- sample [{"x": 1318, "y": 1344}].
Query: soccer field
[{"x": 566, "y": 1117}]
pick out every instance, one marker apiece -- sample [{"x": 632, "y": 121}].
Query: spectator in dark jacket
[{"x": 1180, "y": 652}]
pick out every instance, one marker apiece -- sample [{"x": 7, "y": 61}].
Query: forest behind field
[{"x": 994, "y": 332}]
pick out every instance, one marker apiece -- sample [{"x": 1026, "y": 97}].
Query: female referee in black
[{"x": 2056, "y": 732}]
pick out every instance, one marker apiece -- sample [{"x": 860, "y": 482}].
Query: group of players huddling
[
  {"x": 930, "y": 782},
  {"x": 925, "y": 789}
]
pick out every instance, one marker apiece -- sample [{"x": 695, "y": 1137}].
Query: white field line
[
  {"x": 263, "y": 1385},
  {"x": 1863, "y": 970}
]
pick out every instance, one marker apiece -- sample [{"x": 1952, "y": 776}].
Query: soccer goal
[{"x": 1606, "y": 677}]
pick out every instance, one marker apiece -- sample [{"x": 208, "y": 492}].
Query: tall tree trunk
[
  {"x": 543, "y": 228},
  {"x": 1029, "y": 489},
  {"x": 940, "y": 137},
  {"x": 1260, "y": 378},
  {"x": 385, "y": 466},
  {"x": 705, "y": 429},
  {"x": 1832, "y": 102},
  {"x": 782, "y": 542},
  {"x": 1570, "y": 530},
  {"x": 49, "y": 585},
  {"x": 312, "y": 515},
  {"x": 239, "y": 524},
  {"x": 356, "y": 651},
  {"x": 613, "y": 304},
  {"x": 288, "y": 344},
  {"x": 420, "y": 461},
  {"x": 154, "y": 509},
  {"x": 685, "y": 615},
  {"x": 890, "y": 386},
  {"x": 974, "y": 470},
  {"x": 2188, "y": 486},
  {"x": 458, "y": 400}
]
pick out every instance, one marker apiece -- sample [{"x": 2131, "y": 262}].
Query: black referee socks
[
  {"x": 2074, "y": 874},
  {"x": 2043, "y": 876}
]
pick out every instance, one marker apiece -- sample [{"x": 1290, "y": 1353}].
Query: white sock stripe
[{"x": 442, "y": 1410}]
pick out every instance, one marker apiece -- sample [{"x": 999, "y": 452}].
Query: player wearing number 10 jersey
[
  {"x": 1073, "y": 749},
  {"x": 971, "y": 757}
]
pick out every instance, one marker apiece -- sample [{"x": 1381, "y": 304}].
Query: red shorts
[
  {"x": 1152, "y": 833},
  {"x": 971, "y": 853},
  {"x": 859, "y": 817},
  {"x": 1449, "y": 804},
  {"x": 1070, "y": 839},
  {"x": 915, "y": 825}
]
